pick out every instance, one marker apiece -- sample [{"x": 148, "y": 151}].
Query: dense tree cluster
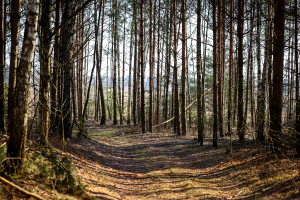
[{"x": 246, "y": 51}]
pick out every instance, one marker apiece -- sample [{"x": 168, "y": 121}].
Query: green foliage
[
  {"x": 54, "y": 170},
  {"x": 82, "y": 130}
]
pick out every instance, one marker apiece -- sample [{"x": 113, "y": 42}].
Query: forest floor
[{"x": 119, "y": 162}]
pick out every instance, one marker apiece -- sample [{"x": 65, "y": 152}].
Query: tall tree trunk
[
  {"x": 65, "y": 59},
  {"x": 74, "y": 85},
  {"x": 241, "y": 125},
  {"x": 260, "y": 115},
  {"x": 236, "y": 79},
  {"x": 2, "y": 68},
  {"x": 215, "y": 116},
  {"x": 15, "y": 30},
  {"x": 142, "y": 69},
  {"x": 123, "y": 71},
  {"x": 18, "y": 136},
  {"x": 130, "y": 69},
  {"x": 278, "y": 59},
  {"x": 79, "y": 68},
  {"x": 203, "y": 76},
  {"x": 103, "y": 110},
  {"x": 183, "y": 81},
  {"x": 297, "y": 82},
  {"x": 151, "y": 69},
  {"x": 115, "y": 7},
  {"x": 199, "y": 70},
  {"x": 54, "y": 84},
  {"x": 118, "y": 62},
  {"x": 251, "y": 65},
  {"x": 176, "y": 100},
  {"x": 248, "y": 68},
  {"x": 168, "y": 68},
  {"x": 134, "y": 64},
  {"x": 158, "y": 67},
  {"x": 220, "y": 73},
  {"x": 230, "y": 70},
  {"x": 45, "y": 61}
]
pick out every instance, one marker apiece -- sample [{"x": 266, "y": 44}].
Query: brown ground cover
[{"x": 119, "y": 162}]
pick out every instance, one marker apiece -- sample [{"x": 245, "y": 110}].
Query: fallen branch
[
  {"x": 185, "y": 109},
  {"x": 20, "y": 189},
  {"x": 3, "y": 145}
]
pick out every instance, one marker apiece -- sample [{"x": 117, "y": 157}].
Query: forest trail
[{"x": 119, "y": 162}]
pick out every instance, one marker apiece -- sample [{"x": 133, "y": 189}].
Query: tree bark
[
  {"x": 54, "y": 84},
  {"x": 199, "y": 70},
  {"x": 176, "y": 100},
  {"x": 215, "y": 111},
  {"x": 45, "y": 61},
  {"x": 66, "y": 61},
  {"x": 278, "y": 60},
  {"x": 183, "y": 78},
  {"x": 297, "y": 81},
  {"x": 18, "y": 136},
  {"x": 15, "y": 30},
  {"x": 142, "y": 69},
  {"x": 103, "y": 110},
  {"x": 130, "y": 69},
  {"x": 134, "y": 65},
  {"x": 151, "y": 68},
  {"x": 230, "y": 71},
  {"x": 123, "y": 73},
  {"x": 115, "y": 65},
  {"x": 241, "y": 125},
  {"x": 220, "y": 73},
  {"x": 158, "y": 67},
  {"x": 2, "y": 68}
]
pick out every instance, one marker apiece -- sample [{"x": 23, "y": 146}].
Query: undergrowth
[{"x": 54, "y": 171}]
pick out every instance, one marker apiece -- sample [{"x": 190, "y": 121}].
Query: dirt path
[
  {"x": 131, "y": 165},
  {"x": 122, "y": 163}
]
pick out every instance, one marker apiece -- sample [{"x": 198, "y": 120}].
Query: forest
[{"x": 149, "y": 99}]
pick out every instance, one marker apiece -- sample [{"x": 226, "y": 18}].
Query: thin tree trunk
[
  {"x": 297, "y": 82},
  {"x": 158, "y": 67},
  {"x": 54, "y": 84},
  {"x": 215, "y": 116},
  {"x": 220, "y": 73},
  {"x": 123, "y": 73},
  {"x": 168, "y": 65},
  {"x": 142, "y": 69},
  {"x": 248, "y": 70},
  {"x": 2, "y": 68},
  {"x": 183, "y": 78},
  {"x": 230, "y": 71},
  {"x": 176, "y": 100},
  {"x": 151, "y": 52},
  {"x": 260, "y": 115},
  {"x": 134, "y": 65},
  {"x": 115, "y": 5},
  {"x": 118, "y": 62},
  {"x": 103, "y": 110},
  {"x": 199, "y": 70},
  {"x": 235, "y": 89},
  {"x": 45, "y": 53},
  {"x": 130, "y": 69},
  {"x": 241, "y": 125}
]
